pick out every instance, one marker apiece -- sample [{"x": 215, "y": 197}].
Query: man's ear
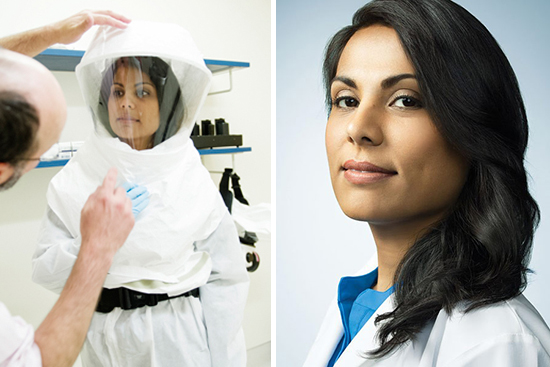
[{"x": 6, "y": 171}]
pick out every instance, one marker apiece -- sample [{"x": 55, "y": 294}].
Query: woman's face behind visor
[{"x": 133, "y": 107}]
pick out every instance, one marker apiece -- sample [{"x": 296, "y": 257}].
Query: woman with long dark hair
[{"x": 426, "y": 139}]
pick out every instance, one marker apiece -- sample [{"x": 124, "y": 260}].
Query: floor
[{"x": 260, "y": 356}]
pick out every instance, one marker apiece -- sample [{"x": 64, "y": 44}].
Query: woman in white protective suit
[
  {"x": 426, "y": 138},
  {"x": 176, "y": 291}
]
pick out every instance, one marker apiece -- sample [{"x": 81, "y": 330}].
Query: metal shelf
[
  {"x": 54, "y": 163},
  {"x": 62, "y": 162},
  {"x": 224, "y": 150},
  {"x": 66, "y": 60}
]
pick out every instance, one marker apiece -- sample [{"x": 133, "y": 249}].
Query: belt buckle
[
  {"x": 130, "y": 299},
  {"x": 152, "y": 300},
  {"x": 124, "y": 298}
]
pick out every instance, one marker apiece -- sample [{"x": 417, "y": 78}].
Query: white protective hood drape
[{"x": 185, "y": 206}]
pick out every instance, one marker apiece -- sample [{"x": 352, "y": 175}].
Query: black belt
[{"x": 128, "y": 299}]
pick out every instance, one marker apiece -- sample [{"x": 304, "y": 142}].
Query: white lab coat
[
  {"x": 17, "y": 346},
  {"x": 506, "y": 334}
]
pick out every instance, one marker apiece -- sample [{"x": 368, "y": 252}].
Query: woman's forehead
[
  {"x": 374, "y": 52},
  {"x": 130, "y": 73}
]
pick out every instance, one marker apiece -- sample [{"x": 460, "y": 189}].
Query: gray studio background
[{"x": 316, "y": 242}]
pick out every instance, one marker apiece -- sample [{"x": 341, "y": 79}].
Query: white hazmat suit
[{"x": 151, "y": 79}]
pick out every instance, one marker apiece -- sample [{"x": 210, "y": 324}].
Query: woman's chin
[
  {"x": 124, "y": 139},
  {"x": 362, "y": 215}
]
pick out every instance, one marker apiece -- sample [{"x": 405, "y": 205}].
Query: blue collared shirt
[{"x": 357, "y": 303}]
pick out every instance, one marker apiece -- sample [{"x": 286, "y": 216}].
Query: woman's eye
[
  {"x": 142, "y": 93},
  {"x": 346, "y": 102},
  {"x": 118, "y": 93},
  {"x": 407, "y": 102}
]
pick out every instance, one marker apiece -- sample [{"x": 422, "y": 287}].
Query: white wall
[
  {"x": 237, "y": 30},
  {"x": 316, "y": 243}
]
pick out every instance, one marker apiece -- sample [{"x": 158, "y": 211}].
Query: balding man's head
[{"x": 32, "y": 114}]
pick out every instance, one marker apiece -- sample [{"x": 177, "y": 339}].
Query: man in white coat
[{"x": 32, "y": 115}]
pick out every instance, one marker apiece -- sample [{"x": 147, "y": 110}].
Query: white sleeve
[
  {"x": 17, "y": 346},
  {"x": 509, "y": 350},
  {"x": 55, "y": 253},
  {"x": 223, "y": 297}
]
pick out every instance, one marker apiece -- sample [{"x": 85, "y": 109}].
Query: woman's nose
[
  {"x": 126, "y": 102},
  {"x": 364, "y": 126}
]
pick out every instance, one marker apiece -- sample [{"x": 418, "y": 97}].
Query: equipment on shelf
[
  {"x": 60, "y": 151},
  {"x": 227, "y": 195},
  {"x": 207, "y": 139},
  {"x": 222, "y": 127},
  {"x": 246, "y": 237}
]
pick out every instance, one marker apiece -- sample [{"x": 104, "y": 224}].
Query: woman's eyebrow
[
  {"x": 349, "y": 82},
  {"x": 393, "y": 80},
  {"x": 144, "y": 83},
  {"x": 385, "y": 84}
]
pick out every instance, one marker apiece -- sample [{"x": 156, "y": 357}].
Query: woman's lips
[
  {"x": 362, "y": 173},
  {"x": 126, "y": 120}
]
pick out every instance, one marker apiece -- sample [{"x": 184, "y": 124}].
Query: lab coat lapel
[
  {"x": 364, "y": 341},
  {"x": 329, "y": 335},
  {"x": 332, "y": 330}
]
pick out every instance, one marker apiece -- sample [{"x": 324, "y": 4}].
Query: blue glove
[{"x": 139, "y": 196}]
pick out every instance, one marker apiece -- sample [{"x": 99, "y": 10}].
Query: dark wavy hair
[
  {"x": 18, "y": 128},
  {"x": 480, "y": 252}
]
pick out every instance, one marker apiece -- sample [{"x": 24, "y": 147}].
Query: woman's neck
[
  {"x": 392, "y": 243},
  {"x": 139, "y": 143}
]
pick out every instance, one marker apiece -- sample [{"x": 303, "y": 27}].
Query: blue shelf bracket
[{"x": 219, "y": 66}]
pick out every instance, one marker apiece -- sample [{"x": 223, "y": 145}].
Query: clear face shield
[
  {"x": 140, "y": 101},
  {"x": 143, "y": 84}
]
